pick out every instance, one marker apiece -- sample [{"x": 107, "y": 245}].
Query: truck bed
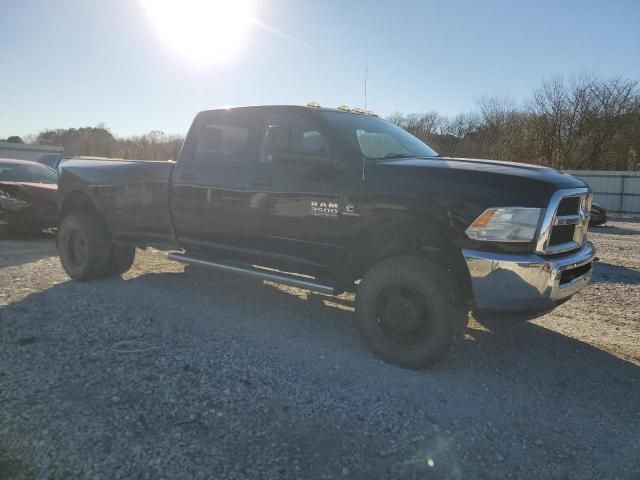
[{"x": 132, "y": 195}]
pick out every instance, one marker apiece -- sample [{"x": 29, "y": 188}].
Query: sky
[{"x": 73, "y": 63}]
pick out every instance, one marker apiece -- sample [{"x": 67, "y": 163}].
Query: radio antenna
[{"x": 366, "y": 73}]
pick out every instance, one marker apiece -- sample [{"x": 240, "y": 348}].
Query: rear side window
[{"x": 222, "y": 142}]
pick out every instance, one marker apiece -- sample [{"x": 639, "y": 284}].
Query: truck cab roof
[{"x": 285, "y": 108}]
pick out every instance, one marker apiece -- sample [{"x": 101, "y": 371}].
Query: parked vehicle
[
  {"x": 349, "y": 202},
  {"x": 28, "y": 193},
  {"x": 53, "y": 160},
  {"x": 598, "y": 215},
  {"x": 33, "y": 153}
]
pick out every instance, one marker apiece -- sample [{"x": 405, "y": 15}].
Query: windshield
[
  {"x": 376, "y": 138},
  {"x": 27, "y": 173}
]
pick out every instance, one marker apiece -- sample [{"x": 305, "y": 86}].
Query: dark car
[
  {"x": 28, "y": 193},
  {"x": 598, "y": 215}
]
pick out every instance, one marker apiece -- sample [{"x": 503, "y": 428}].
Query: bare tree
[
  {"x": 576, "y": 120},
  {"x": 586, "y": 122},
  {"x": 98, "y": 141}
]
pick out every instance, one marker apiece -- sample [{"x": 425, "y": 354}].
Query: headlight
[{"x": 508, "y": 224}]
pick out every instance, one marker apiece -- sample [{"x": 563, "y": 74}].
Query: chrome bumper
[{"x": 527, "y": 283}]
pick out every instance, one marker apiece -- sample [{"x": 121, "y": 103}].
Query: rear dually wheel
[{"x": 84, "y": 246}]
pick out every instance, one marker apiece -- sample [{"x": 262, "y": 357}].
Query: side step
[{"x": 273, "y": 275}]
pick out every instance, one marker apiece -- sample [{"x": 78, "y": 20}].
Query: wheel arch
[
  {"x": 78, "y": 201},
  {"x": 409, "y": 237}
]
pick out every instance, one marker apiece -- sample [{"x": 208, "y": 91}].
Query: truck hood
[
  {"x": 475, "y": 180},
  {"x": 494, "y": 168},
  {"x": 457, "y": 190}
]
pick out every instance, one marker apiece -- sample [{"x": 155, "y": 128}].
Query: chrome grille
[
  {"x": 569, "y": 206},
  {"x": 565, "y": 222},
  {"x": 562, "y": 234}
]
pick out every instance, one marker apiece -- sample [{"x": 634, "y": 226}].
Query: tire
[
  {"x": 84, "y": 247},
  {"x": 409, "y": 311},
  {"x": 122, "y": 257}
]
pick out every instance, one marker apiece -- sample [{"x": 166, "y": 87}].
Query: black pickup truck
[{"x": 336, "y": 200}]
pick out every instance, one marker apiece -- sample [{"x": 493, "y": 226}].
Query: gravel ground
[{"x": 166, "y": 374}]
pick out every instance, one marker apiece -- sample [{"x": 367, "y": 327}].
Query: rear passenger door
[{"x": 208, "y": 196}]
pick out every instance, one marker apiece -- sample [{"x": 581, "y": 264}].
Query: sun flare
[{"x": 202, "y": 31}]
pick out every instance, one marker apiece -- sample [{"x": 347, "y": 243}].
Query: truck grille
[
  {"x": 562, "y": 234},
  {"x": 569, "y": 206},
  {"x": 565, "y": 223}
]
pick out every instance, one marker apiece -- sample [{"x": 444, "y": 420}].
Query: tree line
[
  {"x": 585, "y": 123},
  {"x": 100, "y": 142}
]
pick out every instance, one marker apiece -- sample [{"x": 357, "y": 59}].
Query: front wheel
[{"x": 409, "y": 311}]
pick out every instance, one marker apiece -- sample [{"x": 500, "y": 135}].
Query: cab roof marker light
[
  {"x": 358, "y": 110},
  {"x": 344, "y": 108},
  {"x": 370, "y": 113},
  {"x": 313, "y": 105}
]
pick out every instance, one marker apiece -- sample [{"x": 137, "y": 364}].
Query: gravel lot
[{"x": 166, "y": 374}]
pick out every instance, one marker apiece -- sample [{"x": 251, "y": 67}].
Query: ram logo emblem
[{"x": 329, "y": 209}]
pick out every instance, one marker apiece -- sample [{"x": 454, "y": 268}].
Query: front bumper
[{"x": 529, "y": 283}]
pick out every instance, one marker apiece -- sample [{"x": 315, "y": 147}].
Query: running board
[{"x": 273, "y": 275}]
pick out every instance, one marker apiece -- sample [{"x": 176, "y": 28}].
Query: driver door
[{"x": 298, "y": 193}]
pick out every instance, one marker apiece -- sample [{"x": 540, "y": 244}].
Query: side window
[
  {"x": 292, "y": 139},
  {"x": 314, "y": 141},
  {"x": 222, "y": 142}
]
